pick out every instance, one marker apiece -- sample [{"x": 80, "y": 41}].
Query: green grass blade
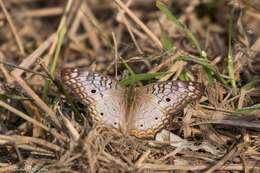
[
  {"x": 209, "y": 67},
  {"x": 163, "y": 8},
  {"x": 144, "y": 76},
  {"x": 203, "y": 54},
  {"x": 165, "y": 38},
  {"x": 251, "y": 84},
  {"x": 249, "y": 109},
  {"x": 78, "y": 116},
  {"x": 54, "y": 61},
  {"x": 183, "y": 75},
  {"x": 230, "y": 58}
]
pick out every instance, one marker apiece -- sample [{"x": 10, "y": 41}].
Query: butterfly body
[{"x": 141, "y": 112}]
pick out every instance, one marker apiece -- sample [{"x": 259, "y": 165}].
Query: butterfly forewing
[
  {"x": 156, "y": 102},
  {"x": 103, "y": 95}
]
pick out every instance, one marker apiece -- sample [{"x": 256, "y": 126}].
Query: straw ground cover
[{"x": 213, "y": 42}]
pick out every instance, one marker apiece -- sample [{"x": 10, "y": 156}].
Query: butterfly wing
[
  {"x": 103, "y": 95},
  {"x": 155, "y": 103}
]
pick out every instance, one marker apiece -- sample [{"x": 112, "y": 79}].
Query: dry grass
[{"x": 115, "y": 37}]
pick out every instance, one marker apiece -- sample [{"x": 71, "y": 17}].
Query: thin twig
[
  {"x": 24, "y": 69},
  {"x": 38, "y": 101},
  {"x": 28, "y": 61},
  {"x": 28, "y": 118},
  {"x": 9, "y": 19},
  {"x": 61, "y": 24},
  {"x": 139, "y": 22}
]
